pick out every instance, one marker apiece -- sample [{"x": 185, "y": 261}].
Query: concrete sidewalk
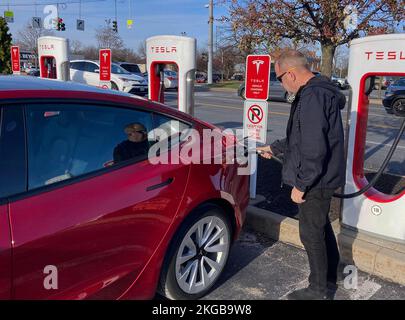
[{"x": 375, "y": 256}]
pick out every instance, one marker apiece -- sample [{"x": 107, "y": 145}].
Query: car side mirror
[{"x": 97, "y": 71}]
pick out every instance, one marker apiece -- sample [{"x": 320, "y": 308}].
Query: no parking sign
[{"x": 255, "y": 120}]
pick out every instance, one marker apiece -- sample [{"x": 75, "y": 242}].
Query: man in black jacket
[{"x": 313, "y": 165}]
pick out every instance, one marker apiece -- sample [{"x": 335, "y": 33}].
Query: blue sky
[{"x": 151, "y": 17}]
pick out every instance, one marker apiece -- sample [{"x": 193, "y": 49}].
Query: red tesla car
[{"x": 85, "y": 215}]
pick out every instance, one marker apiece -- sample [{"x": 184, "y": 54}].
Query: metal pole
[
  {"x": 253, "y": 175},
  {"x": 210, "y": 40}
]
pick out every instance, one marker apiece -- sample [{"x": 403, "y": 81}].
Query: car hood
[{"x": 132, "y": 77}]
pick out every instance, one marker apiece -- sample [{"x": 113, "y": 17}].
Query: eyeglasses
[
  {"x": 280, "y": 77},
  {"x": 135, "y": 131}
]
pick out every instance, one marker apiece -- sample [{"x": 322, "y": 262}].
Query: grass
[{"x": 226, "y": 84}]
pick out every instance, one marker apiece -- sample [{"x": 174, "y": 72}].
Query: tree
[
  {"x": 330, "y": 23},
  {"x": 27, "y": 38},
  {"x": 107, "y": 38},
  {"x": 5, "y": 46}
]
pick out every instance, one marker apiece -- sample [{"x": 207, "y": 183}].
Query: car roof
[
  {"x": 12, "y": 86},
  {"x": 84, "y": 60},
  {"x": 11, "y": 82}
]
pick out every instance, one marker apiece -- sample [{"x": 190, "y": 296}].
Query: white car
[
  {"x": 87, "y": 71},
  {"x": 170, "y": 79}
]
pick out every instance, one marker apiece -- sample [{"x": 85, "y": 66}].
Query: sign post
[
  {"x": 256, "y": 108},
  {"x": 15, "y": 60},
  {"x": 105, "y": 68}
]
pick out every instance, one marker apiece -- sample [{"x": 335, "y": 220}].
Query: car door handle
[{"x": 160, "y": 185}]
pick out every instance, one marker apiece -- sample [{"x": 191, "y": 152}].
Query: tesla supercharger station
[
  {"x": 373, "y": 212},
  {"x": 181, "y": 51},
  {"x": 53, "y": 55}
]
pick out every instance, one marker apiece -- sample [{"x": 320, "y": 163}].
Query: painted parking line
[{"x": 384, "y": 144}]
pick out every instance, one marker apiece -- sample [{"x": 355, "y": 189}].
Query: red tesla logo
[
  {"x": 163, "y": 49},
  {"x": 15, "y": 59},
  {"x": 47, "y": 46},
  {"x": 382, "y": 55}
]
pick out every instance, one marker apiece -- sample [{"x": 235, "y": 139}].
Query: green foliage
[{"x": 5, "y": 44}]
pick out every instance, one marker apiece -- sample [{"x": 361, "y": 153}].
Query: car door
[
  {"x": 90, "y": 75},
  {"x": 89, "y": 222},
  {"x": 12, "y": 182},
  {"x": 77, "y": 71}
]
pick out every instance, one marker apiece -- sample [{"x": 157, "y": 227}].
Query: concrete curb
[{"x": 378, "y": 257}]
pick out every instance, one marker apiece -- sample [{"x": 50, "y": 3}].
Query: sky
[{"x": 151, "y": 18}]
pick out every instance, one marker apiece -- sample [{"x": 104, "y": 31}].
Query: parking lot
[
  {"x": 260, "y": 268},
  {"x": 225, "y": 109}
]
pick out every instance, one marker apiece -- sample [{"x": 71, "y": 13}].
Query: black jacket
[
  {"x": 128, "y": 150},
  {"x": 313, "y": 149}
]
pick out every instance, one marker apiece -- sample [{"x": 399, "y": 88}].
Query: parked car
[
  {"x": 342, "y": 83},
  {"x": 200, "y": 79},
  {"x": 111, "y": 227},
  {"x": 131, "y": 68},
  {"x": 383, "y": 82},
  {"x": 34, "y": 73},
  {"x": 216, "y": 77},
  {"x": 238, "y": 77},
  {"x": 87, "y": 72},
  {"x": 394, "y": 100},
  {"x": 171, "y": 79},
  {"x": 276, "y": 89}
]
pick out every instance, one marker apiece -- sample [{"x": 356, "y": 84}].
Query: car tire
[
  {"x": 398, "y": 107},
  {"x": 242, "y": 93},
  {"x": 114, "y": 86},
  {"x": 189, "y": 272}
]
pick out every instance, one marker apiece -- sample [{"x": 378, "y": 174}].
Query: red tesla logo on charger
[
  {"x": 15, "y": 59},
  {"x": 257, "y": 77},
  {"x": 163, "y": 49},
  {"x": 105, "y": 65},
  {"x": 382, "y": 55}
]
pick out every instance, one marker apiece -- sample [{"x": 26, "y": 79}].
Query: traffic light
[
  {"x": 61, "y": 25},
  {"x": 115, "y": 26}
]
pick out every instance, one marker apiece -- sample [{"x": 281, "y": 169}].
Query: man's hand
[
  {"x": 265, "y": 152},
  {"x": 297, "y": 195}
]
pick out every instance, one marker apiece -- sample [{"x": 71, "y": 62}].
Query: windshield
[
  {"x": 116, "y": 69},
  {"x": 400, "y": 83},
  {"x": 131, "y": 68}
]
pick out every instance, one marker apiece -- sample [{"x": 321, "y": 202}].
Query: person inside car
[{"x": 136, "y": 145}]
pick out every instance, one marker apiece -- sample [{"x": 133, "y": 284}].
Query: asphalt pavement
[{"x": 260, "y": 268}]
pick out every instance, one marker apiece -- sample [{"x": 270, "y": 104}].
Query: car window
[
  {"x": 90, "y": 67},
  {"x": 400, "y": 83},
  {"x": 171, "y": 127},
  {"x": 77, "y": 65},
  {"x": 131, "y": 68},
  {"x": 118, "y": 70},
  {"x": 67, "y": 141},
  {"x": 12, "y": 151}
]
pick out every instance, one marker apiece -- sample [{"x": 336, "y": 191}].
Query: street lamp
[{"x": 210, "y": 6}]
